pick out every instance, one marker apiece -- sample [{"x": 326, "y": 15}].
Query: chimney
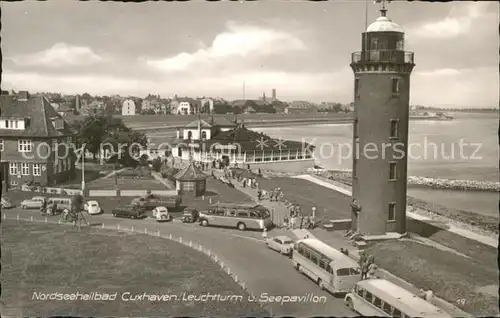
[{"x": 23, "y": 96}]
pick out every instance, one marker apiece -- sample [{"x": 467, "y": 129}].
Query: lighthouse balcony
[{"x": 383, "y": 56}]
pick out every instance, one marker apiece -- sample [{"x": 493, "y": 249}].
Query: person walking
[
  {"x": 301, "y": 221},
  {"x": 362, "y": 263},
  {"x": 259, "y": 194},
  {"x": 372, "y": 270}
]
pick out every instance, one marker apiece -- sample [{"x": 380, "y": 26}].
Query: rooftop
[
  {"x": 40, "y": 113},
  {"x": 190, "y": 173}
]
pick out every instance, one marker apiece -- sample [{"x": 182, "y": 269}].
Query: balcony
[{"x": 382, "y": 56}]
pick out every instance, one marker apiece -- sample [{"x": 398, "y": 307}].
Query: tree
[
  {"x": 110, "y": 133},
  {"x": 222, "y": 108}
]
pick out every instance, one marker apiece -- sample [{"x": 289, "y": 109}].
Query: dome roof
[
  {"x": 190, "y": 173},
  {"x": 384, "y": 24}
]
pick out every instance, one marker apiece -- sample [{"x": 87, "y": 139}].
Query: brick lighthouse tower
[{"x": 380, "y": 133}]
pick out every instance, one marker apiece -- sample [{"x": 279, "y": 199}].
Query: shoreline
[
  {"x": 425, "y": 182},
  {"x": 277, "y": 121}
]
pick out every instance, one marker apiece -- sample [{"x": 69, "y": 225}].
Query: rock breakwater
[{"x": 433, "y": 183}]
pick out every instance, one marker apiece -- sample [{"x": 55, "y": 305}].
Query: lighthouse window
[
  {"x": 356, "y": 88},
  {"x": 394, "y": 128},
  {"x": 392, "y": 211},
  {"x": 395, "y": 86},
  {"x": 392, "y": 171}
]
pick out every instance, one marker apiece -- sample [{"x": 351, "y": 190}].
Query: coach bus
[
  {"x": 241, "y": 216},
  {"x": 382, "y": 298},
  {"x": 329, "y": 268}
]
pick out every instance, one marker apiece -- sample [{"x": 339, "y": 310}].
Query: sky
[{"x": 301, "y": 49}]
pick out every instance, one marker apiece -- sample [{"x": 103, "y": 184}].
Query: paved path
[
  {"x": 167, "y": 183},
  {"x": 263, "y": 270},
  {"x": 491, "y": 241},
  {"x": 109, "y": 175}
]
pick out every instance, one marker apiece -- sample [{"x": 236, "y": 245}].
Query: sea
[{"x": 466, "y": 148}]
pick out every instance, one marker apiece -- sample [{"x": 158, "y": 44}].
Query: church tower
[{"x": 380, "y": 132}]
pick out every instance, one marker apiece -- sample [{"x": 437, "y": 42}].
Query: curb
[{"x": 193, "y": 245}]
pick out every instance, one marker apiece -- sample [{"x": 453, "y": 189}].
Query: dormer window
[{"x": 18, "y": 124}]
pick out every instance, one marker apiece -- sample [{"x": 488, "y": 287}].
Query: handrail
[{"x": 387, "y": 56}]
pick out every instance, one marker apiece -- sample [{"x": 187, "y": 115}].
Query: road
[{"x": 263, "y": 270}]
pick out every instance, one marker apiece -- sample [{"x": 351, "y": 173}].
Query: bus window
[
  {"x": 343, "y": 272},
  {"x": 387, "y": 308},
  {"x": 254, "y": 215},
  {"x": 242, "y": 214},
  {"x": 231, "y": 212},
  {"x": 396, "y": 313},
  {"x": 300, "y": 249},
  {"x": 322, "y": 263},
  {"x": 377, "y": 302},
  {"x": 368, "y": 296},
  {"x": 220, "y": 212},
  {"x": 329, "y": 269},
  {"x": 354, "y": 271},
  {"x": 314, "y": 259}
]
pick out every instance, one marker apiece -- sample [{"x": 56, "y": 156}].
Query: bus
[
  {"x": 382, "y": 298},
  {"x": 241, "y": 216},
  {"x": 329, "y": 268}
]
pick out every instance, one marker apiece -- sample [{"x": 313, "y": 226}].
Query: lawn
[
  {"x": 450, "y": 276},
  {"x": 76, "y": 183},
  {"x": 329, "y": 204},
  {"x": 126, "y": 184},
  {"x": 55, "y": 259}
]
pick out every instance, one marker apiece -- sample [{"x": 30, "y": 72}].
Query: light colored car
[
  {"x": 282, "y": 244},
  {"x": 161, "y": 214},
  {"x": 6, "y": 203},
  {"x": 92, "y": 207},
  {"x": 33, "y": 203}
]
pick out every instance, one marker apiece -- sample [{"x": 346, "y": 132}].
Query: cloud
[
  {"x": 459, "y": 21},
  {"x": 60, "y": 55},
  {"x": 239, "y": 41},
  {"x": 468, "y": 87}
]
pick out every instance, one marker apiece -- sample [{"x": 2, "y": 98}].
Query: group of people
[
  {"x": 367, "y": 265},
  {"x": 248, "y": 182},
  {"x": 298, "y": 220},
  {"x": 48, "y": 209}
]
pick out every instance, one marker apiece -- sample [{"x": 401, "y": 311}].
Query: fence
[
  {"x": 189, "y": 243},
  {"x": 50, "y": 190},
  {"x": 129, "y": 193}
]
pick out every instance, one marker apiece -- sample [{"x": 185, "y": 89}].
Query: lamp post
[{"x": 83, "y": 172}]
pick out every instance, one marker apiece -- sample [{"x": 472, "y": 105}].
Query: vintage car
[
  {"x": 282, "y": 244},
  {"x": 33, "y": 203},
  {"x": 190, "y": 215},
  {"x": 130, "y": 212},
  {"x": 6, "y": 203},
  {"x": 151, "y": 201},
  {"x": 92, "y": 207},
  {"x": 161, "y": 214}
]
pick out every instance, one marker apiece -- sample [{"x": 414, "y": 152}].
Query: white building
[{"x": 128, "y": 107}]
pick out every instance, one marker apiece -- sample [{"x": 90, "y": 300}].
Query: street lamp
[{"x": 83, "y": 171}]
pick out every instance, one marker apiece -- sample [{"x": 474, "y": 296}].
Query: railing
[{"x": 388, "y": 56}]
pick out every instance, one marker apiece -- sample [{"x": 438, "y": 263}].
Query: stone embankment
[{"x": 434, "y": 183}]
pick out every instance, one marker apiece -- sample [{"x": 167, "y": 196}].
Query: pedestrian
[
  {"x": 281, "y": 195},
  {"x": 301, "y": 221},
  {"x": 429, "y": 296},
  {"x": 285, "y": 222},
  {"x": 259, "y": 194},
  {"x": 362, "y": 262},
  {"x": 298, "y": 210},
  {"x": 248, "y": 167},
  {"x": 256, "y": 184},
  {"x": 293, "y": 221},
  {"x": 372, "y": 269}
]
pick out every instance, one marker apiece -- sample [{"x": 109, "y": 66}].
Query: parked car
[
  {"x": 130, "y": 212},
  {"x": 6, "y": 203},
  {"x": 282, "y": 244},
  {"x": 92, "y": 207},
  {"x": 152, "y": 201},
  {"x": 33, "y": 203},
  {"x": 190, "y": 215},
  {"x": 161, "y": 214}
]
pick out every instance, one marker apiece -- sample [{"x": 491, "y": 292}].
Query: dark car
[
  {"x": 190, "y": 215},
  {"x": 130, "y": 212},
  {"x": 152, "y": 201}
]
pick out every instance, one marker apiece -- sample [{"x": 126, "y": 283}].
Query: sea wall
[{"x": 424, "y": 182}]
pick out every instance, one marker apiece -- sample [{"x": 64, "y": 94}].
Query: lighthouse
[{"x": 382, "y": 72}]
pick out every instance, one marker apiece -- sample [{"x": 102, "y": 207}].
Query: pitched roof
[
  {"x": 194, "y": 124},
  {"x": 40, "y": 113},
  {"x": 190, "y": 173}
]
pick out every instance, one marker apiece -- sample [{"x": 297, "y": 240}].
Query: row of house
[{"x": 178, "y": 105}]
